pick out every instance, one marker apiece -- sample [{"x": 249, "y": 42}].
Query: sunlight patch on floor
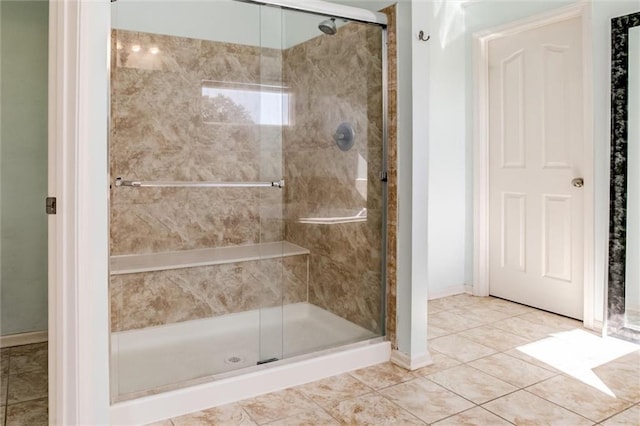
[{"x": 577, "y": 352}]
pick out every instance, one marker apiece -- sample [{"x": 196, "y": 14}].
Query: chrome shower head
[{"x": 328, "y": 26}]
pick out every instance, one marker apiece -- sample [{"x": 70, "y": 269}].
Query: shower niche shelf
[{"x": 148, "y": 262}]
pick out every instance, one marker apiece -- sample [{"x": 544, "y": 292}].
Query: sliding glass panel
[
  {"x": 196, "y": 264},
  {"x": 334, "y": 196}
]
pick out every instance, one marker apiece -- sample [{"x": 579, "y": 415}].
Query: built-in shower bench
[{"x": 148, "y": 262}]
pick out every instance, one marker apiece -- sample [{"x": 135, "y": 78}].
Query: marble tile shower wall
[
  {"x": 337, "y": 79},
  {"x": 158, "y": 133},
  {"x": 166, "y": 297}
]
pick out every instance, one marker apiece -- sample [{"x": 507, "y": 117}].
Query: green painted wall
[{"x": 23, "y": 165}]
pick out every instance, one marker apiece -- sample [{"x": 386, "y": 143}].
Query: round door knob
[{"x": 578, "y": 182}]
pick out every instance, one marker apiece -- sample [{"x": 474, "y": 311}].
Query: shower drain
[{"x": 233, "y": 360}]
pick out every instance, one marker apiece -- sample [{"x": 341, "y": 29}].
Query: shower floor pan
[{"x": 163, "y": 357}]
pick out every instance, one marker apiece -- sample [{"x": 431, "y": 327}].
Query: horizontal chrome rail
[{"x": 177, "y": 184}]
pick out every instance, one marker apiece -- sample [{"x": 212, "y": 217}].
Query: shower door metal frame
[
  {"x": 325, "y": 8},
  {"x": 338, "y": 11}
]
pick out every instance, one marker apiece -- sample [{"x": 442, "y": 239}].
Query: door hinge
[
  {"x": 383, "y": 176},
  {"x": 51, "y": 205}
]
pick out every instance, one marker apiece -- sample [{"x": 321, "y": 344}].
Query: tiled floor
[
  {"x": 495, "y": 363},
  {"x": 23, "y": 381}
]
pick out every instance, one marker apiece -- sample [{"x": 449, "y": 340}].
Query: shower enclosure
[{"x": 248, "y": 197}]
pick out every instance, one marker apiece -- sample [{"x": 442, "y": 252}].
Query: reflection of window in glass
[
  {"x": 225, "y": 102},
  {"x": 361, "y": 177}
]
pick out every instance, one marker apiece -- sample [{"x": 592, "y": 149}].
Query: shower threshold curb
[{"x": 175, "y": 403}]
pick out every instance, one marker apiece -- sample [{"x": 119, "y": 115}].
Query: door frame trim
[
  {"x": 480, "y": 41},
  {"x": 77, "y": 233}
]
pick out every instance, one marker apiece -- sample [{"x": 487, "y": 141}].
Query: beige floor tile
[
  {"x": 450, "y": 322},
  {"x": 472, "y": 384},
  {"x": 277, "y": 405},
  {"x": 525, "y": 329},
  {"x": 383, "y": 375},
  {"x": 531, "y": 360},
  {"x": 632, "y": 358},
  {"x": 30, "y": 413},
  {"x": 27, "y": 386},
  {"x": 4, "y": 361},
  {"x": 622, "y": 376},
  {"x": 523, "y": 408},
  {"x": 28, "y": 358},
  {"x": 329, "y": 391},
  {"x": 433, "y": 332},
  {"x": 317, "y": 417},
  {"x": 426, "y": 400},
  {"x": 506, "y": 306},
  {"x": 481, "y": 314},
  {"x": 231, "y": 414},
  {"x": 464, "y": 299},
  {"x": 492, "y": 337},
  {"x": 4, "y": 382},
  {"x": 626, "y": 418},
  {"x": 477, "y": 416},
  {"x": 557, "y": 322},
  {"x": 372, "y": 409},
  {"x": 440, "y": 362},
  {"x": 437, "y": 305},
  {"x": 579, "y": 397},
  {"x": 512, "y": 370},
  {"x": 460, "y": 348},
  {"x": 452, "y": 302}
]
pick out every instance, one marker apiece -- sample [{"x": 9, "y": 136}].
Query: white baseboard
[
  {"x": 448, "y": 291},
  {"x": 468, "y": 289},
  {"x": 405, "y": 361},
  {"x": 20, "y": 339}
]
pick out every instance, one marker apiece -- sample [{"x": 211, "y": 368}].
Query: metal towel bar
[{"x": 175, "y": 184}]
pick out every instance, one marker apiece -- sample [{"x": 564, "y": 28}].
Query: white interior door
[{"x": 535, "y": 156}]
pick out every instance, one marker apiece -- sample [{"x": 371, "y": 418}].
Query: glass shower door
[
  {"x": 196, "y": 201},
  {"x": 247, "y": 204},
  {"x": 334, "y": 160}
]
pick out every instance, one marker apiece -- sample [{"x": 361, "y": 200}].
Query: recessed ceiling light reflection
[
  {"x": 154, "y": 50},
  {"x": 119, "y": 46},
  {"x": 135, "y": 48}
]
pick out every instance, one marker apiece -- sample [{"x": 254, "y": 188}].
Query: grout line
[
  {"x": 320, "y": 407},
  {"x": 472, "y": 408},
  {"x": 6, "y": 395},
  {"x": 244, "y": 411},
  {"x": 495, "y": 414},
  {"x": 455, "y": 393},
  {"x": 499, "y": 378},
  {"x": 570, "y": 377},
  {"x": 562, "y": 406},
  {"x": 401, "y": 408}
]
